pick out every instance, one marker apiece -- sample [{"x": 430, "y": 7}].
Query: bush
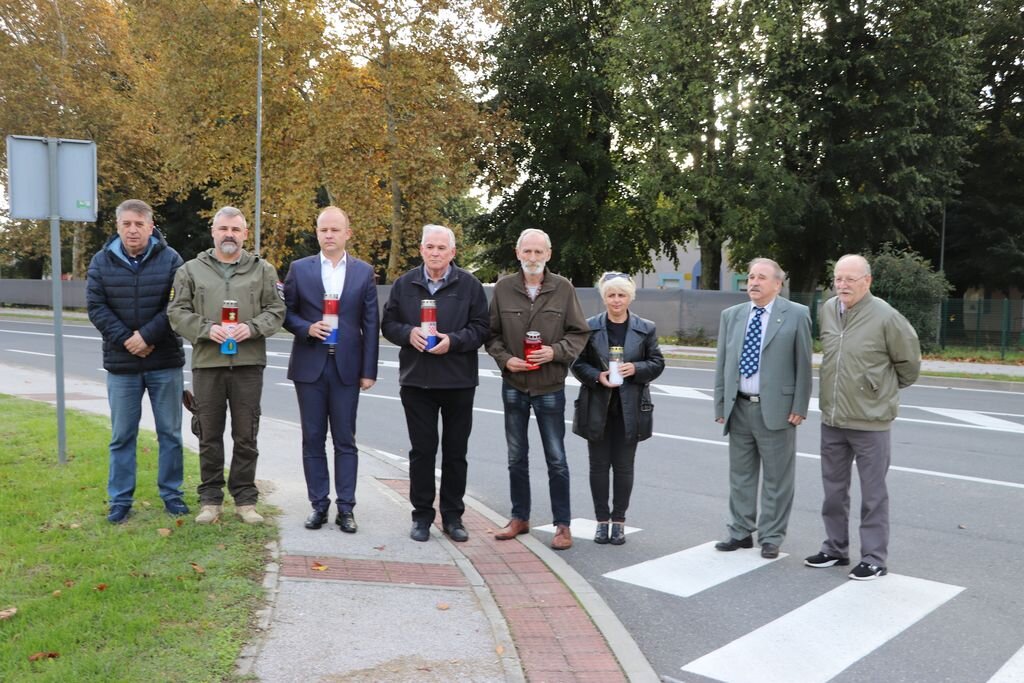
[{"x": 907, "y": 281}]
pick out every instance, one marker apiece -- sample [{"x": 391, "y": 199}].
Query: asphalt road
[{"x": 952, "y": 608}]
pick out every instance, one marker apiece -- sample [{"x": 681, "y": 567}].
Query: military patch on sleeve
[{"x": 280, "y": 289}]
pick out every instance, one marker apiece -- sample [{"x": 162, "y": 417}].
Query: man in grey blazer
[{"x": 762, "y": 388}]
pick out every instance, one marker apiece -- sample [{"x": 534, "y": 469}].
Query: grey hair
[
  {"x": 858, "y": 258},
  {"x": 533, "y": 231},
  {"x": 137, "y": 205},
  {"x": 229, "y": 212},
  {"x": 780, "y": 274},
  {"x": 431, "y": 228},
  {"x": 617, "y": 282}
]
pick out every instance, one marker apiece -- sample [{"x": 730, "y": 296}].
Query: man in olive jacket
[
  {"x": 870, "y": 353},
  {"x": 129, "y": 284},
  {"x": 535, "y": 299},
  {"x": 219, "y": 380}
]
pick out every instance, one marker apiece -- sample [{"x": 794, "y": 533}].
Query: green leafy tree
[
  {"x": 551, "y": 74},
  {"x": 985, "y": 225},
  {"x": 909, "y": 283},
  {"x": 865, "y": 108}
]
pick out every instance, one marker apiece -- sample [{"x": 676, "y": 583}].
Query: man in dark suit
[
  {"x": 329, "y": 376},
  {"x": 762, "y": 388},
  {"x": 441, "y": 379}
]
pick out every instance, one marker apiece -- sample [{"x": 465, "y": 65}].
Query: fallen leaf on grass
[
  {"x": 8, "y": 613},
  {"x": 198, "y": 569},
  {"x": 221, "y": 546},
  {"x": 179, "y": 522},
  {"x": 443, "y": 606},
  {"x": 101, "y": 587},
  {"x": 317, "y": 567},
  {"x": 145, "y": 504},
  {"x": 55, "y": 594},
  {"x": 43, "y": 655},
  {"x": 68, "y": 583},
  {"x": 164, "y": 532},
  {"x": 76, "y": 525}
]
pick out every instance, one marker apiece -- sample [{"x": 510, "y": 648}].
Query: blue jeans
[
  {"x": 550, "y": 412},
  {"x": 124, "y": 393}
]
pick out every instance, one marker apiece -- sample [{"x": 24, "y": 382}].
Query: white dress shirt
[{"x": 333, "y": 276}]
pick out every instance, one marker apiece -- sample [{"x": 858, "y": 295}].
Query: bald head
[
  {"x": 332, "y": 232},
  {"x": 852, "y": 279}
]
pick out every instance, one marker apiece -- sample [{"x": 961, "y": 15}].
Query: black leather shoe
[
  {"x": 601, "y": 533},
  {"x": 769, "y": 551},
  {"x": 347, "y": 522},
  {"x": 456, "y": 532},
  {"x": 420, "y": 531},
  {"x": 734, "y": 544},
  {"x": 618, "y": 534},
  {"x": 316, "y": 519}
]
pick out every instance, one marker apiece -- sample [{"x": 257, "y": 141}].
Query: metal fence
[{"x": 693, "y": 314}]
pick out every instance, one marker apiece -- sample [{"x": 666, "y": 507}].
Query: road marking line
[
  {"x": 979, "y": 419},
  {"x": 691, "y": 571},
  {"x": 1012, "y": 671},
  {"x": 714, "y": 442},
  {"x": 31, "y": 353},
  {"x": 860, "y": 616},
  {"x": 582, "y": 528}
]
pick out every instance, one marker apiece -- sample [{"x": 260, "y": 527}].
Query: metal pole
[
  {"x": 942, "y": 242},
  {"x": 259, "y": 125},
  {"x": 58, "y": 299}
]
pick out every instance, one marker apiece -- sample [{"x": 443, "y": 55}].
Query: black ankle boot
[
  {"x": 601, "y": 536},
  {"x": 618, "y": 536}
]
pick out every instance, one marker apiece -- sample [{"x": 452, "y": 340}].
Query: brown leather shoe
[
  {"x": 515, "y": 527},
  {"x": 562, "y": 539}
]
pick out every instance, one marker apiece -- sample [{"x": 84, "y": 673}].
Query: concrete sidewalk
[{"x": 376, "y": 606}]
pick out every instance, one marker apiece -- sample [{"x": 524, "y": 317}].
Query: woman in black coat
[{"x": 614, "y": 418}]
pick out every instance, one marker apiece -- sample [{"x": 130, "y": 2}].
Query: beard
[
  {"x": 532, "y": 267},
  {"x": 228, "y": 248}
]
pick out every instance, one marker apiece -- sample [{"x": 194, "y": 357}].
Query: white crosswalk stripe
[
  {"x": 691, "y": 571},
  {"x": 1012, "y": 671},
  {"x": 801, "y": 650}
]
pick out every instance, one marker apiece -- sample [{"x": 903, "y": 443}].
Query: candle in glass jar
[
  {"x": 614, "y": 363},
  {"x": 532, "y": 342},
  {"x": 331, "y": 317},
  {"x": 428, "y": 322},
  {"x": 229, "y": 318}
]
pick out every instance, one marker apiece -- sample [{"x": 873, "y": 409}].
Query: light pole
[{"x": 259, "y": 125}]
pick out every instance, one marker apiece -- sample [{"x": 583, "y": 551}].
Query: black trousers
[
  {"x": 422, "y": 407},
  {"x": 616, "y": 454}
]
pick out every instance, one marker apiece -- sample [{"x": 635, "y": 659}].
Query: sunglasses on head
[{"x": 612, "y": 276}]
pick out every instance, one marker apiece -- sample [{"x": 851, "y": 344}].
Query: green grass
[{"x": 117, "y": 603}]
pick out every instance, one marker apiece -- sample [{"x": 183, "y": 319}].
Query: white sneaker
[
  {"x": 249, "y": 515},
  {"x": 209, "y": 514}
]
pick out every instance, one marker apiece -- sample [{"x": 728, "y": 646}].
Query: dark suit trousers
[
  {"x": 421, "y": 411},
  {"x": 328, "y": 401}
]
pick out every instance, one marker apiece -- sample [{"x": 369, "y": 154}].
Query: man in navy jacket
[
  {"x": 441, "y": 379},
  {"x": 129, "y": 285},
  {"x": 328, "y": 377}
]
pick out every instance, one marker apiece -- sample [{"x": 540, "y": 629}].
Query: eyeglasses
[
  {"x": 611, "y": 276},
  {"x": 847, "y": 280}
]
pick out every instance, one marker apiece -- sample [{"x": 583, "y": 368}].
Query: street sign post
[{"x": 53, "y": 178}]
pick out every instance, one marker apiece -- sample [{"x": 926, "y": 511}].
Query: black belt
[{"x": 753, "y": 398}]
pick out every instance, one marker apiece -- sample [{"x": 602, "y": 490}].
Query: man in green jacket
[
  {"x": 536, "y": 300},
  {"x": 228, "y": 357},
  {"x": 870, "y": 353}
]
